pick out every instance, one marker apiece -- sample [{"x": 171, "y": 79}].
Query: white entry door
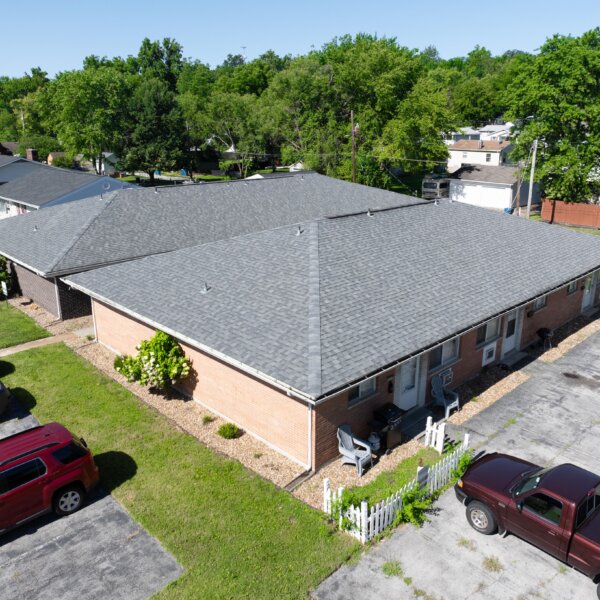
[
  {"x": 406, "y": 385},
  {"x": 588, "y": 292},
  {"x": 512, "y": 331}
]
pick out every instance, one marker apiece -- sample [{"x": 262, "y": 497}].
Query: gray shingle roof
[
  {"x": 5, "y": 160},
  {"x": 349, "y": 295},
  {"x": 487, "y": 173},
  {"x": 44, "y": 184},
  {"x": 139, "y": 222}
]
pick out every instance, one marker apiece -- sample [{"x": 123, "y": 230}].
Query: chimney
[{"x": 32, "y": 154}]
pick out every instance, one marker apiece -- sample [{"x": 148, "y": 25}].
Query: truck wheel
[
  {"x": 481, "y": 518},
  {"x": 68, "y": 500}
]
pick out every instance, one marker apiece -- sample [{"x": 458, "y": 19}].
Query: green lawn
[
  {"x": 17, "y": 328},
  {"x": 389, "y": 482},
  {"x": 237, "y": 535}
]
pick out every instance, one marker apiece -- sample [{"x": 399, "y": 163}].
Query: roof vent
[
  {"x": 205, "y": 288},
  {"x": 299, "y": 231},
  {"x": 155, "y": 190},
  {"x": 35, "y": 228},
  {"x": 436, "y": 202},
  {"x": 369, "y": 212}
]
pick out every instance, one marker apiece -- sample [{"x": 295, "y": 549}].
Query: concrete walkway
[{"x": 55, "y": 339}]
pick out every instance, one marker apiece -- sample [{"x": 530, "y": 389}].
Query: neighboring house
[
  {"x": 53, "y": 156},
  {"x": 477, "y": 152},
  {"x": 109, "y": 163},
  {"x": 496, "y": 132},
  {"x": 465, "y": 133},
  {"x": 296, "y": 330},
  {"x": 9, "y": 148},
  {"x": 491, "y": 187},
  {"x": 131, "y": 223},
  {"x": 27, "y": 186},
  {"x": 274, "y": 175}
]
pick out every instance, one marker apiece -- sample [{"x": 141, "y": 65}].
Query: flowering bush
[{"x": 160, "y": 362}]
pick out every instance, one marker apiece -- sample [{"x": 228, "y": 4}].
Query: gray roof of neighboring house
[
  {"x": 128, "y": 224},
  {"x": 12, "y": 147},
  {"x": 348, "y": 296},
  {"x": 6, "y": 160},
  {"x": 487, "y": 174},
  {"x": 44, "y": 183}
]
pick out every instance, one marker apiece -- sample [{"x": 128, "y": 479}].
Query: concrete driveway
[
  {"x": 99, "y": 552},
  {"x": 553, "y": 417}
]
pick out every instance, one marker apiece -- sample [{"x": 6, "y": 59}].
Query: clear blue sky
[{"x": 57, "y": 34}]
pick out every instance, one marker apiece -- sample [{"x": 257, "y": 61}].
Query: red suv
[{"x": 42, "y": 469}]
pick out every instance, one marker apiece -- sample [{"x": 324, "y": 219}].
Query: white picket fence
[{"x": 365, "y": 524}]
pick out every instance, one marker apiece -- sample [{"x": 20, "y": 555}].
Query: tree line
[{"x": 152, "y": 108}]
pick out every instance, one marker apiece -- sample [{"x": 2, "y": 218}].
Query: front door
[
  {"x": 406, "y": 386},
  {"x": 512, "y": 331},
  {"x": 588, "y": 293}
]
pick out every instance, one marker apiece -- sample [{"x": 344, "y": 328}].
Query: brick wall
[
  {"x": 257, "y": 407},
  {"x": 39, "y": 290},
  {"x": 560, "y": 309},
  {"x": 73, "y": 303},
  {"x": 332, "y": 413}
]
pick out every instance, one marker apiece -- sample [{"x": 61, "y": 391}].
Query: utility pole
[
  {"x": 535, "y": 145},
  {"x": 353, "y": 147}
]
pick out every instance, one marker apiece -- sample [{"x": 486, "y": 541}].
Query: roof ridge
[
  {"x": 315, "y": 378},
  {"x": 85, "y": 228}
]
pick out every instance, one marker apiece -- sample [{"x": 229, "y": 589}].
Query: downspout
[
  {"x": 57, "y": 298},
  {"x": 310, "y": 437}
]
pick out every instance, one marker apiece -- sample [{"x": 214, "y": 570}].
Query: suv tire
[
  {"x": 481, "y": 518},
  {"x": 68, "y": 500}
]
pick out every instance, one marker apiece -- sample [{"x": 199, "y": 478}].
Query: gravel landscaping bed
[{"x": 49, "y": 321}]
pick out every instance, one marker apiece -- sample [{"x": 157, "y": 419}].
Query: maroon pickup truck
[{"x": 556, "y": 509}]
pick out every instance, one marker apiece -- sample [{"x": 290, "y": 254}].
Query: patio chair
[
  {"x": 354, "y": 451},
  {"x": 443, "y": 397}
]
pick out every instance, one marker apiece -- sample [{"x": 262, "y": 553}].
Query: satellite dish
[{"x": 106, "y": 186}]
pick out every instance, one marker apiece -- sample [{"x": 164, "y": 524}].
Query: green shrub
[
  {"x": 206, "y": 419},
  {"x": 229, "y": 431},
  {"x": 160, "y": 362},
  {"x": 463, "y": 463},
  {"x": 415, "y": 504}
]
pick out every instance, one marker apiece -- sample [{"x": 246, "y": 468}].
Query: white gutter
[{"x": 289, "y": 390}]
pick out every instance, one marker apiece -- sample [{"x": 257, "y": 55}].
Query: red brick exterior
[
  {"x": 255, "y": 406},
  {"x": 283, "y": 421}
]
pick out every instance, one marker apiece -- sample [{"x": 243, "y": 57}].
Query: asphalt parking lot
[
  {"x": 553, "y": 417},
  {"x": 98, "y": 552}
]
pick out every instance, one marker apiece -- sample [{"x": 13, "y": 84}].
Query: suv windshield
[{"x": 530, "y": 482}]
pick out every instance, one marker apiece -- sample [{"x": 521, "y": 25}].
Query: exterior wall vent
[{"x": 489, "y": 354}]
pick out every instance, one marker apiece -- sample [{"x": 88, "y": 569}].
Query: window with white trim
[
  {"x": 362, "y": 390},
  {"x": 488, "y": 157},
  {"x": 444, "y": 354},
  {"x": 465, "y": 155},
  {"x": 539, "y": 303},
  {"x": 572, "y": 287},
  {"x": 488, "y": 332}
]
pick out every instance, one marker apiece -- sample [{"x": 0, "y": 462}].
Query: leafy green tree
[
  {"x": 155, "y": 136},
  {"x": 556, "y": 100},
  {"x": 161, "y": 60},
  {"x": 87, "y": 110},
  {"x": 413, "y": 138}
]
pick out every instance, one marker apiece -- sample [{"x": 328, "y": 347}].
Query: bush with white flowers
[{"x": 160, "y": 362}]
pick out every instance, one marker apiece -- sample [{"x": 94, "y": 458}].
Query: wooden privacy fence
[
  {"x": 571, "y": 213},
  {"x": 364, "y": 523}
]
